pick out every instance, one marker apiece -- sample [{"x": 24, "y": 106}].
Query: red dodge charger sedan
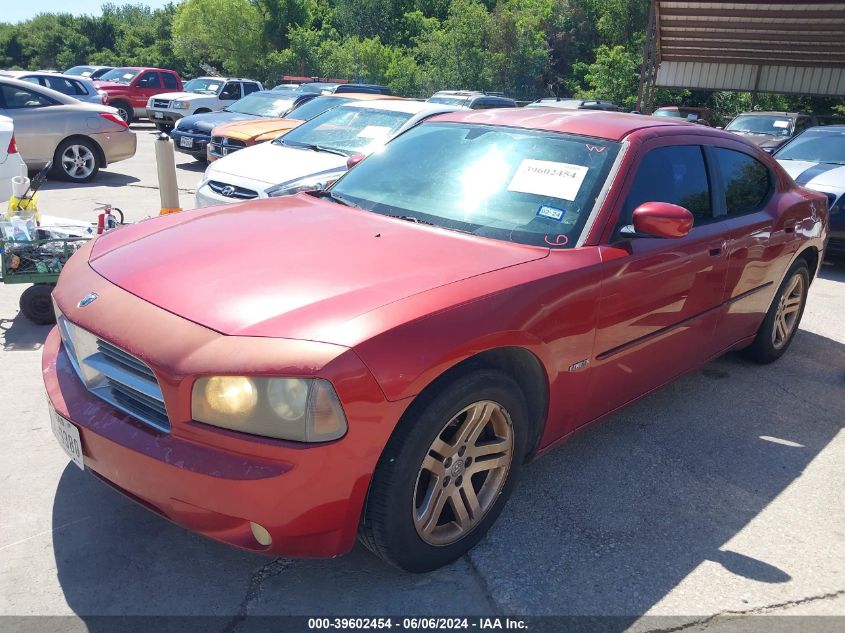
[{"x": 379, "y": 358}]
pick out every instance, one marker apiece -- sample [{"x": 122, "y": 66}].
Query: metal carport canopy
[{"x": 774, "y": 46}]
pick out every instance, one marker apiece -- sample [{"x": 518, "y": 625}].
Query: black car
[
  {"x": 193, "y": 133},
  {"x": 472, "y": 99}
]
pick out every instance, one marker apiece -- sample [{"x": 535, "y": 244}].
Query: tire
[
  {"x": 779, "y": 327},
  {"x": 37, "y": 305},
  {"x": 124, "y": 111},
  {"x": 161, "y": 127},
  {"x": 395, "y": 525},
  {"x": 76, "y": 160}
]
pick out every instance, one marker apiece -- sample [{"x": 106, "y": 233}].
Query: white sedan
[
  {"x": 11, "y": 163},
  {"x": 313, "y": 154}
]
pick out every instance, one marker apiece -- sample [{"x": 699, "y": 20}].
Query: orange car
[{"x": 230, "y": 137}]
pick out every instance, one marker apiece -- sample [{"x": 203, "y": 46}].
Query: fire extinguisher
[{"x": 107, "y": 220}]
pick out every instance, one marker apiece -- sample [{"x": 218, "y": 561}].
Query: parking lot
[{"x": 721, "y": 494}]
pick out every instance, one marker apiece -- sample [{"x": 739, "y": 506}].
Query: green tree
[{"x": 614, "y": 76}]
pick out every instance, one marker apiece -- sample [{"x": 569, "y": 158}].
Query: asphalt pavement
[{"x": 719, "y": 495}]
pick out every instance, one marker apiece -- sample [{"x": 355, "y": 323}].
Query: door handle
[
  {"x": 717, "y": 249},
  {"x": 789, "y": 227}
]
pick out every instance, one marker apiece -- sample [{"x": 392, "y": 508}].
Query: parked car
[
  {"x": 574, "y": 104},
  {"x": 458, "y": 303},
  {"x": 231, "y": 137},
  {"x": 204, "y": 94},
  {"x": 285, "y": 87},
  {"x": 816, "y": 159},
  {"x": 472, "y": 99},
  {"x": 313, "y": 154},
  {"x": 80, "y": 138},
  {"x": 687, "y": 113},
  {"x": 129, "y": 89},
  {"x": 770, "y": 130},
  {"x": 92, "y": 72},
  {"x": 329, "y": 88},
  {"x": 80, "y": 88},
  {"x": 10, "y": 160},
  {"x": 193, "y": 133}
]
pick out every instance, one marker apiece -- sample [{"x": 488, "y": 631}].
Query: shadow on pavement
[
  {"x": 195, "y": 166},
  {"x": 607, "y": 524},
  {"x": 102, "y": 179},
  {"x": 21, "y": 334},
  {"x": 833, "y": 269}
]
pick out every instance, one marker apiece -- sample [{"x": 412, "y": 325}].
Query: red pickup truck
[{"x": 128, "y": 88}]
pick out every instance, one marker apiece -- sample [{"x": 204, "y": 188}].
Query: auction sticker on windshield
[
  {"x": 68, "y": 436},
  {"x": 374, "y": 131},
  {"x": 548, "y": 178}
]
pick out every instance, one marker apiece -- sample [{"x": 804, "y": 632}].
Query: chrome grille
[
  {"x": 231, "y": 191},
  {"x": 161, "y": 103},
  {"x": 114, "y": 375}
]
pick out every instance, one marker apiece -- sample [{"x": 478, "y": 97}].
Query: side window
[
  {"x": 747, "y": 181},
  {"x": 19, "y": 98},
  {"x": 675, "y": 174},
  {"x": 149, "y": 80},
  {"x": 65, "y": 86},
  {"x": 250, "y": 88},
  {"x": 231, "y": 91},
  {"x": 169, "y": 81}
]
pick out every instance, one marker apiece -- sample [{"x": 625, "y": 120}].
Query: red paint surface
[{"x": 303, "y": 287}]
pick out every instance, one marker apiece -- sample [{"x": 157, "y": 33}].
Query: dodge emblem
[{"x": 87, "y": 300}]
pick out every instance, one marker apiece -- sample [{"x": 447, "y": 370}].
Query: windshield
[
  {"x": 448, "y": 100},
  {"x": 516, "y": 185},
  {"x": 262, "y": 104},
  {"x": 761, "y": 124},
  {"x": 817, "y": 146},
  {"x": 85, "y": 71},
  {"x": 286, "y": 87},
  {"x": 204, "y": 85},
  {"x": 310, "y": 109},
  {"x": 672, "y": 112},
  {"x": 566, "y": 104},
  {"x": 347, "y": 129},
  {"x": 121, "y": 75}
]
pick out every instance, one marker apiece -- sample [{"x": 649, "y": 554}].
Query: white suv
[{"x": 204, "y": 94}]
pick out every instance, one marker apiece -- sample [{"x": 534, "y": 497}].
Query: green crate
[{"x": 52, "y": 253}]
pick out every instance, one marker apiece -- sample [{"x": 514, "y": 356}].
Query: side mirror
[
  {"x": 354, "y": 160},
  {"x": 659, "y": 219}
]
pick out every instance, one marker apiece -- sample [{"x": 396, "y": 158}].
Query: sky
[{"x": 17, "y": 11}]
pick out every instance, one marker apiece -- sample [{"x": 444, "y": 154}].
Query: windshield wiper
[
  {"x": 415, "y": 220},
  {"x": 325, "y": 193},
  {"x": 316, "y": 148}
]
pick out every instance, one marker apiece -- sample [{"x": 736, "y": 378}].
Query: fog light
[{"x": 261, "y": 534}]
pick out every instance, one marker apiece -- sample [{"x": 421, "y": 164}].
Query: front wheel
[
  {"x": 76, "y": 160},
  {"x": 37, "y": 304},
  {"x": 446, "y": 472},
  {"x": 784, "y": 315}
]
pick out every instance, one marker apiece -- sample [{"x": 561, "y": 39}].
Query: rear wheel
[
  {"x": 124, "y": 111},
  {"x": 446, "y": 472},
  {"x": 76, "y": 160},
  {"x": 37, "y": 305},
  {"x": 784, "y": 315}
]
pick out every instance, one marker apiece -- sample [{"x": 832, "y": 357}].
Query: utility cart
[{"x": 37, "y": 262}]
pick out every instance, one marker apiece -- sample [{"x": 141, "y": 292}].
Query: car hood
[
  {"x": 190, "y": 96},
  {"x": 294, "y": 267},
  {"x": 829, "y": 176},
  {"x": 111, "y": 85},
  {"x": 209, "y": 120},
  {"x": 257, "y": 129},
  {"x": 270, "y": 164}
]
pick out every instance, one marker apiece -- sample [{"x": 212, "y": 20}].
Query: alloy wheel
[
  {"x": 462, "y": 473},
  {"x": 786, "y": 318},
  {"x": 78, "y": 161}
]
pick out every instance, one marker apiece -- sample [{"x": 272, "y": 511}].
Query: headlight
[
  {"x": 309, "y": 183},
  {"x": 299, "y": 409},
  {"x": 182, "y": 105}
]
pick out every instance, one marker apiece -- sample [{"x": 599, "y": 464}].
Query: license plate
[
  {"x": 186, "y": 141},
  {"x": 68, "y": 436},
  {"x": 158, "y": 115}
]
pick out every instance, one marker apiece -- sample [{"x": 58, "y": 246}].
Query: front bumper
[
  {"x": 212, "y": 481},
  {"x": 167, "y": 117},
  {"x": 198, "y": 142},
  {"x": 117, "y": 146}
]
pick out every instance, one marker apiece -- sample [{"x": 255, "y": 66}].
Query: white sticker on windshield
[
  {"x": 781, "y": 123},
  {"x": 374, "y": 131},
  {"x": 213, "y": 86},
  {"x": 548, "y": 178}
]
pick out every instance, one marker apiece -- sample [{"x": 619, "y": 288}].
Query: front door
[
  {"x": 661, "y": 298},
  {"x": 35, "y": 118},
  {"x": 148, "y": 85}
]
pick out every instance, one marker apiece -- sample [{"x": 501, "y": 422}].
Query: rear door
[{"x": 661, "y": 298}]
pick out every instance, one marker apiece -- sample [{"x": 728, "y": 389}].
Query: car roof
[
  {"x": 53, "y": 94},
  {"x": 395, "y": 105},
  {"x": 40, "y": 73},
  {"x": 773, "y": 113},
  {"x": 613, "y": 126}
]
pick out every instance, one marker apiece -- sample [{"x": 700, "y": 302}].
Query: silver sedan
[
  {"x": 80, "y": 138},
  {"x": 81, "y": 88}
]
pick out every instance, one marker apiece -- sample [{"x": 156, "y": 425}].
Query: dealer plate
[
  {"x": 158, "y": 115},
  {"x": 186, "y": 141},
  {"x": 68, "y": 436}
]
